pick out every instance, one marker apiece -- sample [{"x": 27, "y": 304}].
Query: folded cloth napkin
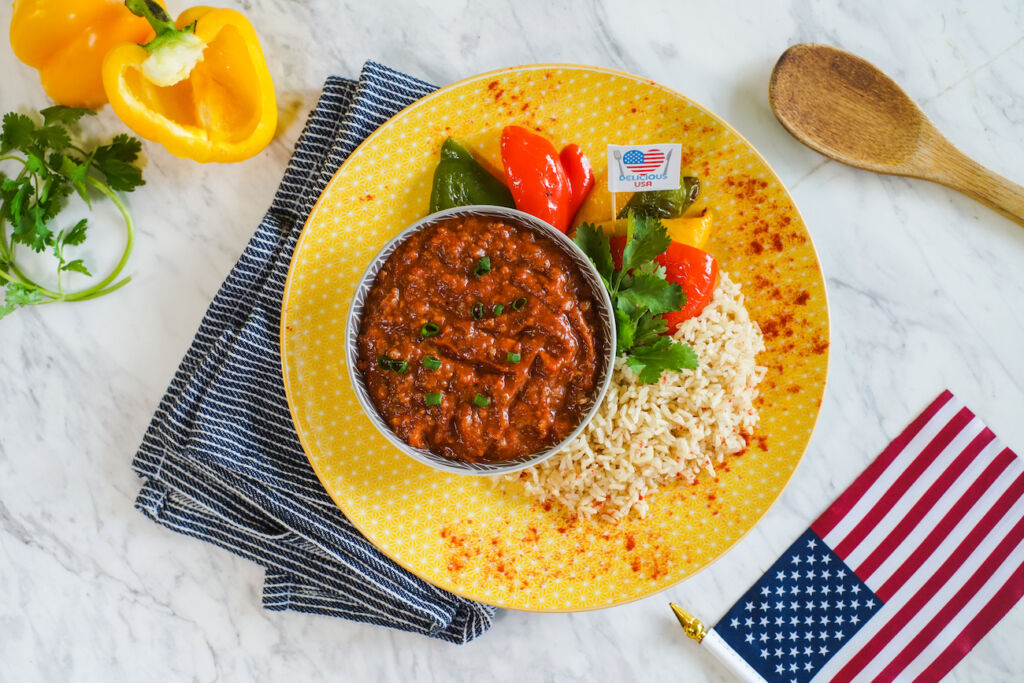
[{"x": 221, "y": 459}]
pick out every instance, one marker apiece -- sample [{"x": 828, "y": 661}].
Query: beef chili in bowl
[{"x": 480, "y": 340}]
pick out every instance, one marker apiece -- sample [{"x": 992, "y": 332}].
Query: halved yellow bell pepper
[
  {"x": 692, "y": 230},
  {"x": 66, "y": 40},
  {"x": 201, "y": 87}
]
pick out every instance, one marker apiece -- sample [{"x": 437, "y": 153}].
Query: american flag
[
  {"x": 902, "y": 575},
  {"x": 639, "y": 161}
]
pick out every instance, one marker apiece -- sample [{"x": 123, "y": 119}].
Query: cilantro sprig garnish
[
  {"x": 640, "y": 294},
  {"x": 52, "y": 167}
]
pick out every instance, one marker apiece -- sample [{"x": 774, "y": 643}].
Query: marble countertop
[{"x": 926, "y": 292}]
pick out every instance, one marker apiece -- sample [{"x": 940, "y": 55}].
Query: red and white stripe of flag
[{"x": 935, "y": 527}]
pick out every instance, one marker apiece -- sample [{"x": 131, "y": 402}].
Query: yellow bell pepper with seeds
[
  {"x": 692, "y": 230},
  {"x": 201, "y": 87},
  {"x": 66, "y": 40}
]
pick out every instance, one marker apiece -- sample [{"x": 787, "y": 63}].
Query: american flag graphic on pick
[
  {"x": 902, "y": 575},
  {"x": 640, "y": 161},
  {"x": 644, "y": 168}
]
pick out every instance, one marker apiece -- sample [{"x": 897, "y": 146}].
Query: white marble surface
[{"x": 926, "y": 292}]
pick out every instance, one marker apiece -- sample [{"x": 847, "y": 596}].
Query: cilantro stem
[
  {"x": 101, "y": 288},
  {"x": 97, "y": 289},
  {"x": 117, "y": 285}
]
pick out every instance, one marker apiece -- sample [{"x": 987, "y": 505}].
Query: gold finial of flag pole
[{"x": 692, "y": 626}]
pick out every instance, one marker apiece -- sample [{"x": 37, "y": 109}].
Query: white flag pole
[{"x": 695, "y": 629}]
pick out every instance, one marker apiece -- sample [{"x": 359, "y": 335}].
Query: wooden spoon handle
[{"x": 960, "y": 172}]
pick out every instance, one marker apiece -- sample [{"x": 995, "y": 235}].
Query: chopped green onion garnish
[
  {"x": 513, "y": 358},
  {"x": 432, "y": 399},
  {"x": 483, "y": 267},
  {"x": 478, "y": 311},
  {"x": 396, "y": 364},
  {"x": 431, "y": 362},
  {"x": 498, "y": 308},
  {"x": 519, "y": 303},
  {"x": 429, "y": 330},
  {"x": 481, "y": 400}
]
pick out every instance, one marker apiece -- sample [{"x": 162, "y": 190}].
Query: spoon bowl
[{"x": 844, "y": 107}]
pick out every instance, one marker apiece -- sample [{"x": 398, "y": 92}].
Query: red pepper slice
[
  {"x": 693, "y": 269},
  {"x": 580, "y": 174},
  {"x": 696, "y": 271},
  {"x": 617, "y": 243},
  {"x": 535, "y": 176}
]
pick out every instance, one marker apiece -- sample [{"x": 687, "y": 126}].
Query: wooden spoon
[{"x": 845, "y": 108}]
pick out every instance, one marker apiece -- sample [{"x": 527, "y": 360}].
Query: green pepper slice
[
  {"x": 663, "y": 203},
  {"x": 460, "y": 180}
]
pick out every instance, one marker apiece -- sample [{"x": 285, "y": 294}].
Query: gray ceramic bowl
[{"x": 355, "y": 316}]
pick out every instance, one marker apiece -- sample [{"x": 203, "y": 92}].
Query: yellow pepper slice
[
  {"x": 66, "y": 40},
  {"x": 201, "y": 88},
  {"x": 692, "y": 230}
]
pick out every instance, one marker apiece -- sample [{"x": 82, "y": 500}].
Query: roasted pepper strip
[
  {"x": 663, "y": 203},
  {"x": 535, "y": 176},
  {"x": 694, "y": 270},
  {"x": 200, "y": 88},
  {"x": 65, "y": 40},
  {"x": 460, "y": 180},
  {"x": 580, "y": 175}
]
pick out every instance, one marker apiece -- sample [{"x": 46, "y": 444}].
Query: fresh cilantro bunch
[
  {"x": 52, "y": 167},
  {"x": 640, "y": 294}
]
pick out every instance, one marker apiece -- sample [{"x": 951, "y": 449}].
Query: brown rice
[{"x": 646, "y": 434}]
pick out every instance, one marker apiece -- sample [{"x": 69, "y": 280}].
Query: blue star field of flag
[
  {"x": 799, "y": 613},
  {"x": 633, "y": 156}
]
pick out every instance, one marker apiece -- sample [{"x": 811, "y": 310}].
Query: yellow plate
[{"x": 463, "y": 533}]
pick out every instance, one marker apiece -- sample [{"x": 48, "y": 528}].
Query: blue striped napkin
[{"x": 221, "y": 460}]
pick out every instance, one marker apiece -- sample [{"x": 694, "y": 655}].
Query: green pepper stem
[{"x": 151, "y": 11}]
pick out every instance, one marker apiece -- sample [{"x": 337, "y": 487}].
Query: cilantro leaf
[
  {"x": 120, "y": 175},
  {"x": 647, "y": 240},
  {"x": 20, "y": 295},
  {"x": 53, "y": 137},
  {"x": 34, "y": 164},
  {"x": 625, "y": 329},
  {"x": 76, "y": 235},
  {"x": 654, "y": 294},
  {"x": 56, "y": 199},
  {"x": 75, "y": 173},
  {"x": 596, "y": 245},
  {"x": 32, "y": 230},
  {"x": 648, "y": 362},
  {"x": 649, "y": 329},
  {"x": 16, "y": 205},
  {"x": 78, "y": 265},
  {"x": 652, "y": 268},
  {"x": 122, "y": 147},
  {"x": 114, "y": 161},
  {"x": 18, "y": 131},
  {"x": 64, "y": 115}
]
